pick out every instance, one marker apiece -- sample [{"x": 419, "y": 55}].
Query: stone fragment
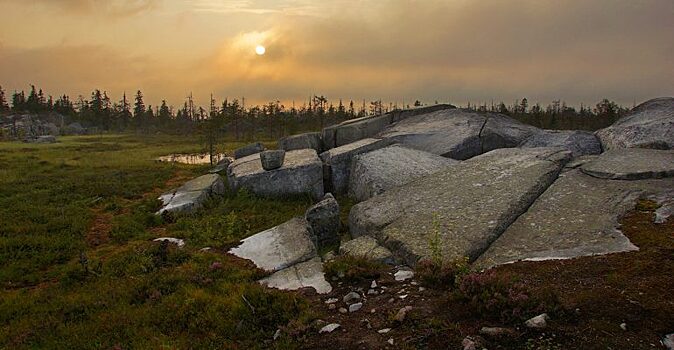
[
  {"x": 351, "y": 298},
  {"x": 366, "y": 247},
  {"x": 375, "y": 172},
  {"x": 355, "y": 307},
  {"x": 384, "y": 331},
  {"x": 323, "y": 217},
  {"x": 631, "y": 164},
  {"x": 301, "y": 174},
  {"x": 177, "y": 241},
  {"x": 272, "y": 160},
  {"x": 496, "y": 331},
  {"x": 538, "y": 322},
  {"x": 191, "y": 195},
  {"x": 464, "y": 208},
  {"x": 278, "y": 247},
  {"x": 248, "y": 150},
  {"x": 649, "y": 125},
  {"x": 668, "y": 341},
  {"x": 329, "y": 328},
  {"x": 402, "y": 314},
  {"x": 468, "y": 344},
  {"x": 403, "y": 275},
  {"x": 301, "y": 275}
]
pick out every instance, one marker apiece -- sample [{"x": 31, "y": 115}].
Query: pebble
[
  {"x": 355, "y": 307},
  {"x": 373, "y": 311},
  {"x": 668, "y": 341},
  {"x": 403, "y": 275},
  {"x": 384, "y": 331},
  {"x": 538, "y": 322},
  {"x": 390, "y": 341},
  {"x": 402, "y": 313},
  {"x": 623, "y": 326},
  {"x": 177, "y": 241},
  {"x": 277, "y": 334},
  {"x": 495, "y": 331},
  {"x": 351, "y": 298},
  {"x": 332, "y": 306},
  {"x": 331, "y": 301},
  {"x": 402, "y": 296},
  {"x": 468, "y": 344},
  {"x": 371, "y": 292},
  {"x": 421, "y": 289},
  {"x": 391, "y": 300},
  {"x": 343, "y": 310},
  {"x": 329, "y": 328},
  {"x": 373, "y": 284}
]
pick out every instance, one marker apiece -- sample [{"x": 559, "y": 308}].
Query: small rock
[
  {"x": 414, "y": 283},
  {"x": 205, "y": 249},
  {"x": 343, "y": 310},
  {"x": 177, "y": 241},
  {"x": 332, "y": 307},
  {"x": 668, "y": 341},
  {"x": 496, "y": 331},
  {"x": 623, "y": 326},
  {"x": 355, "y": 307},
  {"x": 351, "y": 298},
  {"x": 272, "y": 159},
  {"x": 402, "y": 313},
  {"x": 329, "y": 328},
  {"x": 384, "y": 331},
  {"x": 373, "y": 284},
  {"x": 365, "y": 323},
  {"x": 421, "y": 289},
  {"x": 373, "y": 311},
  {"x": 538, "y": 322},
  {"x": 371, "y": 292},
  {"x": 403, "y": 275},
  {"x": 277, "y": 334},
  {"x": 390, "y": 341},
  {"x": 403, "y": 296},
  {"x": 469, "y": 344},
  {"x": 331, "y": 301},
  {"x": 391, "y": 300}
]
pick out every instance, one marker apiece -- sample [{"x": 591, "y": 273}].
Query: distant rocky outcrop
[{"x": 649, "y": 125}]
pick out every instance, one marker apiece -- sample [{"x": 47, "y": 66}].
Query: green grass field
[{"x": 78, "y": 269}]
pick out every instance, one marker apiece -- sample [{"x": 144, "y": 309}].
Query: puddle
[{"x": 194, "y": 159}]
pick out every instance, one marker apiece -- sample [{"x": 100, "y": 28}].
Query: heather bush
[{"x": 441, "y": 274}]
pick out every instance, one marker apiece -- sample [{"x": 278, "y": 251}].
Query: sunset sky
[{"x": 451, "y": 51}]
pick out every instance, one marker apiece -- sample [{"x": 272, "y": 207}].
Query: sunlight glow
[{"x": 260, "y": 50}]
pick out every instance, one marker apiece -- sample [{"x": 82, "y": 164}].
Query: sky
[{"x": 455, "y": 51}]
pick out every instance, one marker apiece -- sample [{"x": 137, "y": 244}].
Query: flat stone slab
[
  {"x": 338, "y": 161},
  {"x": 191, "y": 195},
  {"x": 631, "y": 164},
  {"x": 375, "y": 172},
  {"x": 366, "y": 247},
  {"x": 577, "y": 216},
  {"x": 458, "y": 133},
  {"x": 649, "y": 125},
  {"x": 278, "y": 247},
  {"x": 580, "y": 143},
  {"x": 301, "y": 174},
  {"x": 303, "y": 275},
  {"x": 462, "y": 209}
]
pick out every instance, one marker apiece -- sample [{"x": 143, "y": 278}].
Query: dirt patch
[
  {"x": 99, "y": 232},
  {"x": 596, "y": 296}
]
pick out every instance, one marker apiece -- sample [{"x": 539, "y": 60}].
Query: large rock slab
[
  {"x": 323, "y": 218},
  {"x": 248, "y": 150},
  {"x": 458, "y": 212},
  {"x": 303, "y": 275},
  {"x": 577, "y": 216},
  {"x": 649, "y": 125},
  {"x": 580, "y": 143},
  {"x": 191, "y": 195},
  {"x": 375, "y": 172},
  {"x": 631, "y": 164},
  {"x": 279, "y": 247},
  {"x": 458, "y": 133},
  {"x": 301, "y": 174},
  {"x": 366, "y": 127},
  {"x": 307, "y": 140},
  {"x": 338, "y": 161},
  {"x": 366, "y": 247}
]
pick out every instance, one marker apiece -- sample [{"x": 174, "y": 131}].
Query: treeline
[{"x": 272, "y": 120}]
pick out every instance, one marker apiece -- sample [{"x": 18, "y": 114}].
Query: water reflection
[{"x": 194, "y": 159}]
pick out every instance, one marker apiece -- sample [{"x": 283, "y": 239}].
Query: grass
[{"x": 78, "y": 269}]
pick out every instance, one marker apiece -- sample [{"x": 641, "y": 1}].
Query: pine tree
[
  {"x": 4, "y": 107},
  {"x": 139, "y": 111}
]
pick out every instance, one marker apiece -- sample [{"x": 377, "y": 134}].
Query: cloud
[{"x": 114, "y": 8}]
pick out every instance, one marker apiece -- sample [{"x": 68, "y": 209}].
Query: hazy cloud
[{"x": 114, "y": 8}]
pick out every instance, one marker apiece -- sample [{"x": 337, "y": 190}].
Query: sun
[{"x": 260, "y": 50}]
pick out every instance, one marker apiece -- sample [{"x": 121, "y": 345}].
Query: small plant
[
  {"x": 439, "y": 274},
  {"x": 353, "y": 268},
  {"x": 498, "y": 296}
]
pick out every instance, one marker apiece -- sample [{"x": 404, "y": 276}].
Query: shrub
[
  {"x": 441, "y": 274},
  {"x": 498, "y": 296},
  {"x": 353, "y": 269}
]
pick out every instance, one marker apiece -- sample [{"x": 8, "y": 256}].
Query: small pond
[{"x": 194, "y": 159}]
